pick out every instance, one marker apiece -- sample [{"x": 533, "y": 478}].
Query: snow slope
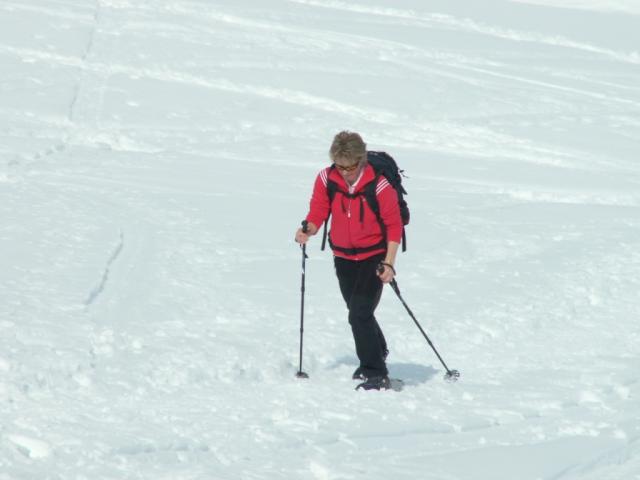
[{"x": 156, "y": 159}]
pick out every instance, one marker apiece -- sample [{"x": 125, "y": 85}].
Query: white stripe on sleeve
[
  {"x": 382, "y": 184},
  {"x": 323, "y": 176}
]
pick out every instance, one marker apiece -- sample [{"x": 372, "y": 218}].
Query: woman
[{"x": 364, "y": 246}]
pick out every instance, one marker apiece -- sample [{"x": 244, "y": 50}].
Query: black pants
[{"x": 361, "y": 289}]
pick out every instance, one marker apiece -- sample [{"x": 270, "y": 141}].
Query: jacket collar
[{"x": 366, "y": 176}]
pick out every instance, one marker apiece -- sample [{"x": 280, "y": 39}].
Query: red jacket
[{"x": 353, "y": 223}]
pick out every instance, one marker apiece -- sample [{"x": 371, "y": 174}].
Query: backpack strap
[
  {"x": 355, "y": 251},
  {"x": 324, "y": 233},
  {"x": 372, "y": 199},
  {"x": 332, "y": 188},
  {"x": 369, "y": 192}
]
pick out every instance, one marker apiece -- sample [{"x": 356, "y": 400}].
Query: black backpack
[{"x": 383, "y": 165}]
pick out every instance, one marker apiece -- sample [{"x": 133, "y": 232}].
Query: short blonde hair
[{"x": 349, "y": 146}]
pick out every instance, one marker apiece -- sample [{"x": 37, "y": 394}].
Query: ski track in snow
[
  {"x": 84, "y": 58},
  {"x": 197, "y": 130},
  {"x": 95, "y": 293},
  {"x": 469, "y": 25},
  {"x": 460, "y": 138}
]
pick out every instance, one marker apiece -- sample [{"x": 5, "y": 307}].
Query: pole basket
[{"x": 452, "y": 376}]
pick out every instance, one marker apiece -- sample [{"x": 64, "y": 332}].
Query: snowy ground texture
[{"x": 156, "y": 158}]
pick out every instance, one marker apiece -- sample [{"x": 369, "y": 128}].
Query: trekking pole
[
  {"x": 300, "y": 373},
  {"x": 451, "y": 375}
]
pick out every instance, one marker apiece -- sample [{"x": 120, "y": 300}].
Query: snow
[{"x": 156, "y": 159}]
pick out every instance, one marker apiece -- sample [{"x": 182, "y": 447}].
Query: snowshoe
[{"x": 378, "y": 382}]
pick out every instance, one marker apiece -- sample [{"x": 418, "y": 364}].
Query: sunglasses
[{"x": 350, "y": 168}]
